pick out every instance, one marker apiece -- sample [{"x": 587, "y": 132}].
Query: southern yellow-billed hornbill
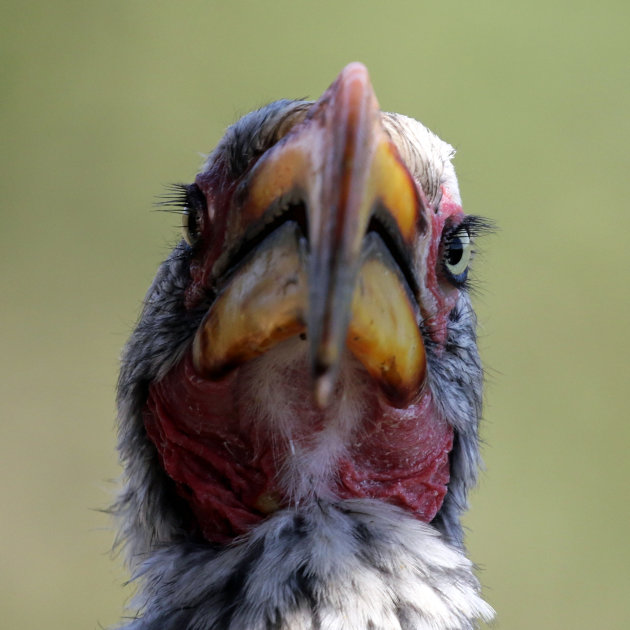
[{"x": 299, "y": 402}]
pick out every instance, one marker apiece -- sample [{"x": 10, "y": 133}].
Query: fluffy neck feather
[{"x": 353, "y": 564}]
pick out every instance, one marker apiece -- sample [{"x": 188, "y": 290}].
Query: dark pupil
[
  {"x": 455, "y": 251},
  {"x": 193, "y": 228}
]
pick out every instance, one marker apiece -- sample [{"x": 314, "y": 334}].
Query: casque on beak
[{"x": 346, "y": 281}]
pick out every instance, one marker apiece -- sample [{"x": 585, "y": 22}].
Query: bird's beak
[{"x": 337, "y": 266}]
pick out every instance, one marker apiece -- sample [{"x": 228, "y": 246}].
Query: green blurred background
[{"x": 103, "y": 103}]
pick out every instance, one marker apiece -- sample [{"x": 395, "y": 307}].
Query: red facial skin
[
  {"x": 440, "y": 297},
  {"x": 218, "y": 190},
  {"x": 227, "y": 465}
]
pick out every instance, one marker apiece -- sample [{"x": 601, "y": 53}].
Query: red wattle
[{"x": 227, "y": 468}]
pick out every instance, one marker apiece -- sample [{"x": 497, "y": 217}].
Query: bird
[{"x": 299, "y": 402}]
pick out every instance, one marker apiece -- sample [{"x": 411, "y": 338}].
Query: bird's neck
[{"x": 354, "y": 564}]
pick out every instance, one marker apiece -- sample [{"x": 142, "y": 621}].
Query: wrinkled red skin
[{"x": 223, "y": 463}]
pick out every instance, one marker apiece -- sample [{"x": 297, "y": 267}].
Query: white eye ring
[{"x": 458, "y": 253}]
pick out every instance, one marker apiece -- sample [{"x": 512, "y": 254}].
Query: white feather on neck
[{"x": 350, "y": 565}]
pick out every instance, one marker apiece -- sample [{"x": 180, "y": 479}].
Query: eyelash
[
  {"x": 188, "y": 201},
  {"x": 472, "y": 226}
]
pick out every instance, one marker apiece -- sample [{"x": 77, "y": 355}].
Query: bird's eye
[
  {"x": 457, "y": 254},
  {"x": 188, "y": 201},
  {"x": 191, "y": 228}
]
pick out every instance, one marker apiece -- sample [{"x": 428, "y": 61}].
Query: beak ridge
[{"x": 361, "y": 173}]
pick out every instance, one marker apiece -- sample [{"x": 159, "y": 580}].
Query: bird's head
[{"x": 312, "y": 337}]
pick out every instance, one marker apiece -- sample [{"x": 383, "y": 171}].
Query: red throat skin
[{"x": 235, "y": 464}]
